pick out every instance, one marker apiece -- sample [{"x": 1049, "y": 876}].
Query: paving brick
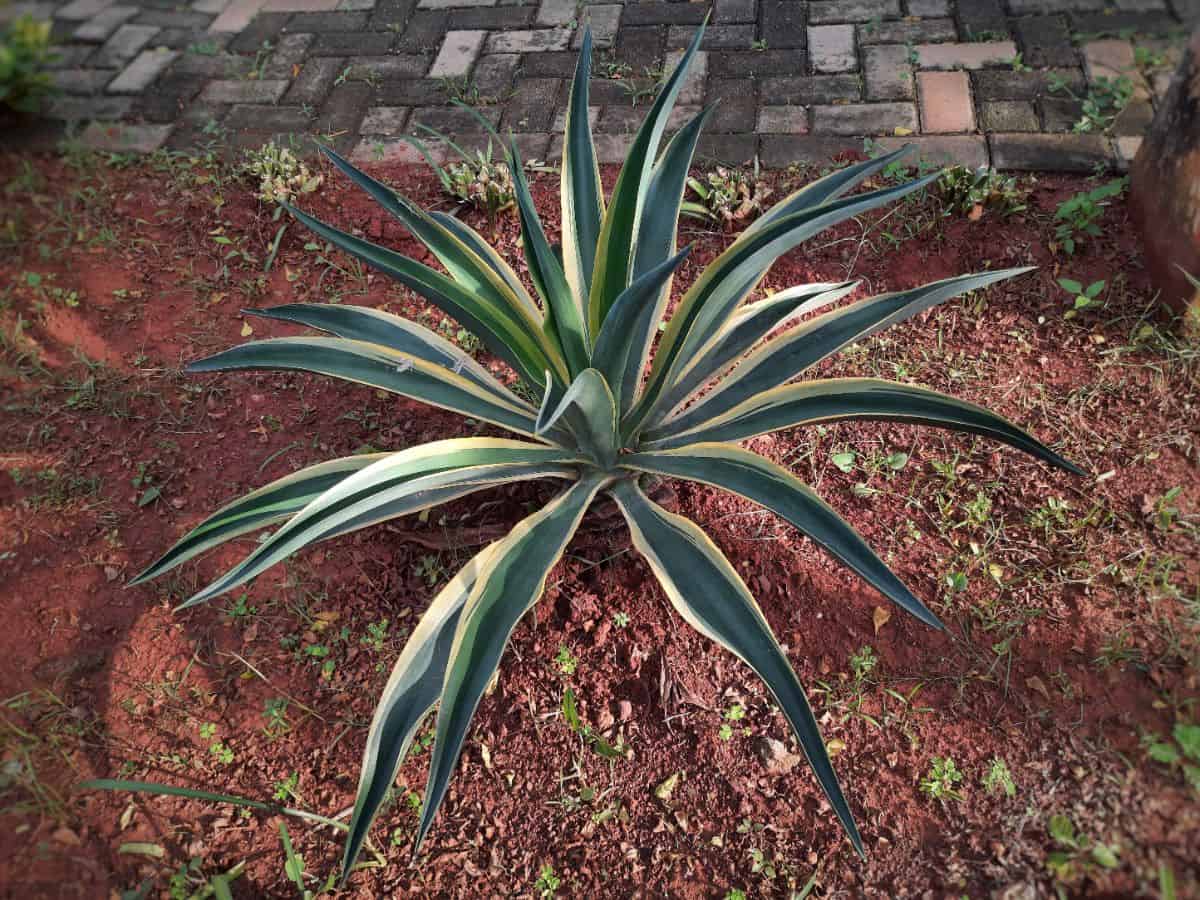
[
  {"x": 641, "y": 48},
  {"x": 218, "y": 65},
  {"x": 212, "y": 7},
  {"x": 411, "y": 92},
  {"x": 423, "y": 31},
  {"x": 1023, "y": 7},
  {"x": 389, "y": 67},
  {"x": 243, "y": 91},
  {"x": 553, "y": 64},
  {"x": 320, "y": 22},
  {"x": 730, "y": 12},
  {"x": 716, "y": 37},
  {"x": 1045, "y": 41},
  {"x": 942, "y": 150},
  {"x": 611, "y": 149},
  {"x": 236, "y": 16},
  {"x": 727, "y": 149},
  {"x": 126, "y": 43},
  {"x": 314, "y": 81},
  {"x": 169, "y": 18},
  {"x": 1110, "y": 22},
  {"x": 1113, "y": 59},
  {"x": 125, "y": 138},
  {"x": 343, "y": 110},
  {"x": 691, "y": 92},
  {"x": 981, "y": 20},
  {"x": 266, "y": 27},
  {"x": 920, "y": 31},
  {"x": 780, "y": 151},
  {"x": 81, "y": 81},
  {"x": 782, "y": 120},
  {"x": 534, "y": 41},
  {"x": 356, "y": 5},
  {"x": 560, "y": 119},
  {"x": 385, "y": 120},
  {"x": 489, "y": 18},
  {"x": 782, "y": 23},
  {"x": 1008, "y": 115},
  {"x": 604, "y": 19},
  {"x": 1060, "y": 114},
  {"x": 343, "y": 43},
  {"x": 451, "y": 119},
  {"x": 103, "y": 24},
  {"x": 887, "y": 72},
  {"x": 831, "y": 48},
  {"x": 810, "y": 90},
  {"x": 928, "y": 8},
  {"x": 459, "y": 51},
  {"x": 78, "y": 109},
  {"x": 946, "y": 106},
  {"x": 69, "y": 56},
  {"x": 664, "y": 13},
  {"x": 142, "y": 72},
  {"x": 725, "y": 64},
  {"x": 245, "y": 117},
  {"x": 1044, "y": 152},
  {"x": 82, "y": 10},
  {"x": 735, "y": 106},
  {"x": 1133, "y": 120},
  {"x": 493, "y": 74},
  {"x": 445, "y": 4},
  {"x": 531, "y": 105},
  {"x": 556, "y": 12},
  {"x": 864, "y": 118},
  {"x": 288, "y": 56},
  {"x": 965, "y": 56},
  {"x": 166, "y": 102},
  {"x": 826, "y": 12},
  {"x": 1003, "y": 84}
]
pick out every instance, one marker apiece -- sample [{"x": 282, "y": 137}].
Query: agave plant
[{"x": 607, "y": 415}]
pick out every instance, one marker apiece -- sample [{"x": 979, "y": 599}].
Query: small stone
[{"x": 624, "y": 710}]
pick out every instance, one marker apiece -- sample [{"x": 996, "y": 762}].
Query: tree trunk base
[{"x": 1165, "y": 191}]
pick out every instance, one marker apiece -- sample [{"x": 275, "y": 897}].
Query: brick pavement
[{"x": 966, "y": 80}]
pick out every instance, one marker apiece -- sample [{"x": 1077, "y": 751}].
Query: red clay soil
[{"x": 1072, "y": 604}]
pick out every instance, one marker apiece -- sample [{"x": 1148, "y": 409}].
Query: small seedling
[
  {"x": 1084, "y": 297},
  {"x": 1181, "y": 750},
  {"x": 998, "y": 779},
  {"x": 1080, "y": 215},
  {"x": 547, "y": 883},
  {"x": 943, "y": 776},
  {"x": 567, "y": 662}
]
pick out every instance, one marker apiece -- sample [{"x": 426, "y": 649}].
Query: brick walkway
[{"x": 796, "y": 80}]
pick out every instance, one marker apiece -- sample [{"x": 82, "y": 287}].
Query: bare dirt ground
[{"x": 1073, "y": 605}]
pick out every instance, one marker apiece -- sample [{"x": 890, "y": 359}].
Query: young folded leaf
[{"x": 597, "y": 421}]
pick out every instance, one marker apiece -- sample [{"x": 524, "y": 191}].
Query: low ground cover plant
[
  {"x": 609, "y": 406},
  {"x": 24, "y": 54}
]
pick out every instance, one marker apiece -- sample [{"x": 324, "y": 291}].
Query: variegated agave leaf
[{"x": 606, "y": 415}]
